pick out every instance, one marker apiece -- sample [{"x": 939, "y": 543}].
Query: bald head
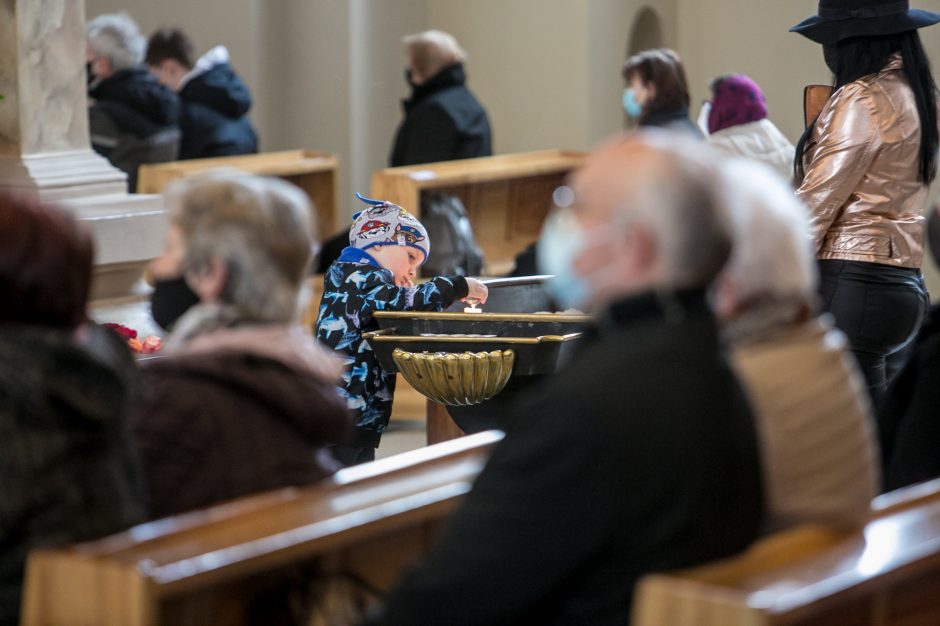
[{"x": 654, "y": 196}]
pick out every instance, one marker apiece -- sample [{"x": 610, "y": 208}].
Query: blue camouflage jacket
[{"x": 355, "y": 287}]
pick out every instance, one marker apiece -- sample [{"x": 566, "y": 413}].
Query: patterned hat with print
[{"x": 384, "y": 224}]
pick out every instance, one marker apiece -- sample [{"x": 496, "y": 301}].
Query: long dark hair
[
  {"x": 854, "y": 58},
  {"x": 663, "y": 68}
]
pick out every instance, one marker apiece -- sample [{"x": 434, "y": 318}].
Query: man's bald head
[{"x": 658, "y": 190}]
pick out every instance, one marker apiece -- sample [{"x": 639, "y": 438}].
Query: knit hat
[
  {"x": 736, "y": 100},
  {"x": 384, "y": 224}
]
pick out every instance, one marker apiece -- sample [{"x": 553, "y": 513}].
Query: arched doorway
[{"x": 646, "y": 33}]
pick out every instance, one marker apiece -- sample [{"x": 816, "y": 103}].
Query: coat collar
[
  {"x": 670, "y": 306},
  {"x": 450, "y": 76}
]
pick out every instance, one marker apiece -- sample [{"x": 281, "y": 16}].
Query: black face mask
[
  {"x": 89, "y": 77},
  {"x": 170, "y": 300},
  {"x": 408, "y": 78},
  {"x": 933, "y": 233}
]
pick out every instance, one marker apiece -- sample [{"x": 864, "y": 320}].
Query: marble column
[{"x": 44, "y": 144}]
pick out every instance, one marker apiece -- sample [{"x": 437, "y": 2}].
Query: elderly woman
[
  {"x": 443, "y": 119},
  {"x": 814, "y": 424},
  {"x": 244, "y": 400},
  {"x": 657, "y": 92},
  {"x": 66, "y": 466}
]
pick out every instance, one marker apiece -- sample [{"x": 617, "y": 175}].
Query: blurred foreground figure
[{"x": 641, "y": 454}]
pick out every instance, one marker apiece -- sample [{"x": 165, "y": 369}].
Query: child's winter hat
[{"x": 384, "y": 224}]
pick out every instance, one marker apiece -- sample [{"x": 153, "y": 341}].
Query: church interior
[{"x": 471, "y": 376}]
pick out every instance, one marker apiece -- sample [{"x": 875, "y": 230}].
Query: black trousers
[{"x": 880, "y": 308}]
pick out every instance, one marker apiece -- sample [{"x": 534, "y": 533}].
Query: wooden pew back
[
  {"x": 506, "y": 196},
  {"x": 209, "y": 566},
  {"x": 887, "y": 572},
  {"x": 314, "y": 172}
]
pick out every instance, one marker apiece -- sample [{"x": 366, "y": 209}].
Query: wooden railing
[
  {"x": 209, "y": 566},
  {"x": 886, "y": 572}
]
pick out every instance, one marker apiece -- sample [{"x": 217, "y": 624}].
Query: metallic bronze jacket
[{"x": 862, "y": 162}]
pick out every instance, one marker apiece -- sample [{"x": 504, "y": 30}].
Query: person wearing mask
[
  {"x": 736, "y": 124},
  {"x": 864, "y": 168},
  {"x": 68, "y": 472},
  {"x": 215, "y": 100},
  {"x": 641, "y": 455},
  {"x": 133, "y": 119},
  {"x": 657, "y": 91},
  {"x": 243, "y": 400},
  {"x": 443, "y": 120}
]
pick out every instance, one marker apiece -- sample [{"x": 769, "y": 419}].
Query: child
[{"x": 387, "y": 245}]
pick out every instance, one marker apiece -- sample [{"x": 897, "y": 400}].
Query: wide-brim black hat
[{"x": 841, "y": 19}]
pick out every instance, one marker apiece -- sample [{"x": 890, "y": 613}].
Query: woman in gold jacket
[{"x": 863, "y": 169}]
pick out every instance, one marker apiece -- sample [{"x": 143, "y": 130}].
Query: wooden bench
[
  {"x": 506, "y": 196},
  {"x": 887, "y": 572},
  {"x": 208, "y": 567},
  {"x": 314, "y": 172}
]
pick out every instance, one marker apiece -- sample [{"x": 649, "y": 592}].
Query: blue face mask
[
  {"x": 560, "y": 243},
  {"x": 630, "y": 105}
]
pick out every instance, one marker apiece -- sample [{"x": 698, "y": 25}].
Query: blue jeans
[{"x": 880, "y": 309}]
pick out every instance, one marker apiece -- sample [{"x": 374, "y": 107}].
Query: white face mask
[{"x": 703, "y": 115}]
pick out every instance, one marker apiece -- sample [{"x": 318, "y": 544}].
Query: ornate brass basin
[{"x": 461, "y": 379}]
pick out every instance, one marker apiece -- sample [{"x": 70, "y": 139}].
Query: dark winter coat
[
  {"x": 640, "y": 456},
  {"x": 134, "y": 120},
  {"x": 443, "y": 121},
  {"x": 677, "y": 120},
  {"x": 66, "y": 469},
  {"x": 909, "y": 419},
  {"x": 354, "y": 288},
  {"x": 215, "y": 115},
  {"x": 235, "y": 412}
]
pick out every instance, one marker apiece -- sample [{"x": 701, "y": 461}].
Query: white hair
[
  {"x": 433, "y": 50},
  {"x": 681, "y": 204},
  {"x": 116, "y": 37},
  {"x": 261, "y": 228},
  {"x": 772, "y": 256}
]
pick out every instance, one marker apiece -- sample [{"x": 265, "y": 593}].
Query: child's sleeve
[{"x": 437, "y": 293}]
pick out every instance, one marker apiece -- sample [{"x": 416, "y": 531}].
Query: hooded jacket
[
  {"x": 443, "y": 121},
  {"x": 66, "y": 468},
  {"x": 215, "y": 102},
  {"x": 236, "y": 411}
]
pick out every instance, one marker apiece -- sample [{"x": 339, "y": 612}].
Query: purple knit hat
[{"x": 736, "y": 100}]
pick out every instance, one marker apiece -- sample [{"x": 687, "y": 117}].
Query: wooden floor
[{"x": 406, "y": 431}]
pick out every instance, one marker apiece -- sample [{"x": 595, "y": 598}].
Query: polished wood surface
[
  {"x": 815, "y": 98},
  {"x": 314, "y": 172},
  {"x": 887, "y": 572},
  {"x": 506, "y": 196},
  {"x": 440, "y": 426},
  {"x": 206, "y": 566}
]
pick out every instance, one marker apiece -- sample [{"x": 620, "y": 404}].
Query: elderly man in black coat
[
  {"x": 133, "y": 119},
  {"x": 641, "y": 454},
  {"x": 443, "y": 119}
]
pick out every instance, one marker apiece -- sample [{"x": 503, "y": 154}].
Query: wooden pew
[
  {"x": 314, "y": 172},
  {"x": 209, "y": 566},
  {"x": 506, "y": 196},
  {"x": 887, "y": 572}
]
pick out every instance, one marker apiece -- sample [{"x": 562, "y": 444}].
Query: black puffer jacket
[
  {"x": 443, "y": 121},
  {"x": 139, "y": 104},
  {"x": 66, "y": 470},
  {"x": 134, "y": 120},
  {"x": 215, "y": 115}
]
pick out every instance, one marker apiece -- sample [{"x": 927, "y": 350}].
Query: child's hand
[
  {"x": 404, "y": 281},
  {"x": 476, "y": 291}
]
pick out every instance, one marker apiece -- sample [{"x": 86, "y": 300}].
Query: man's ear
[{"x": 724, "y": 296}]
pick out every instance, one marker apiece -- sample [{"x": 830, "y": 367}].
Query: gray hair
[
  {"x": 773, "y": 256},
  {"x": 432, "y": 51},
  {"x": 260, "y": 228},
  {"x": 116, "y": 37},
  {"x": 680, "y": 202}
]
